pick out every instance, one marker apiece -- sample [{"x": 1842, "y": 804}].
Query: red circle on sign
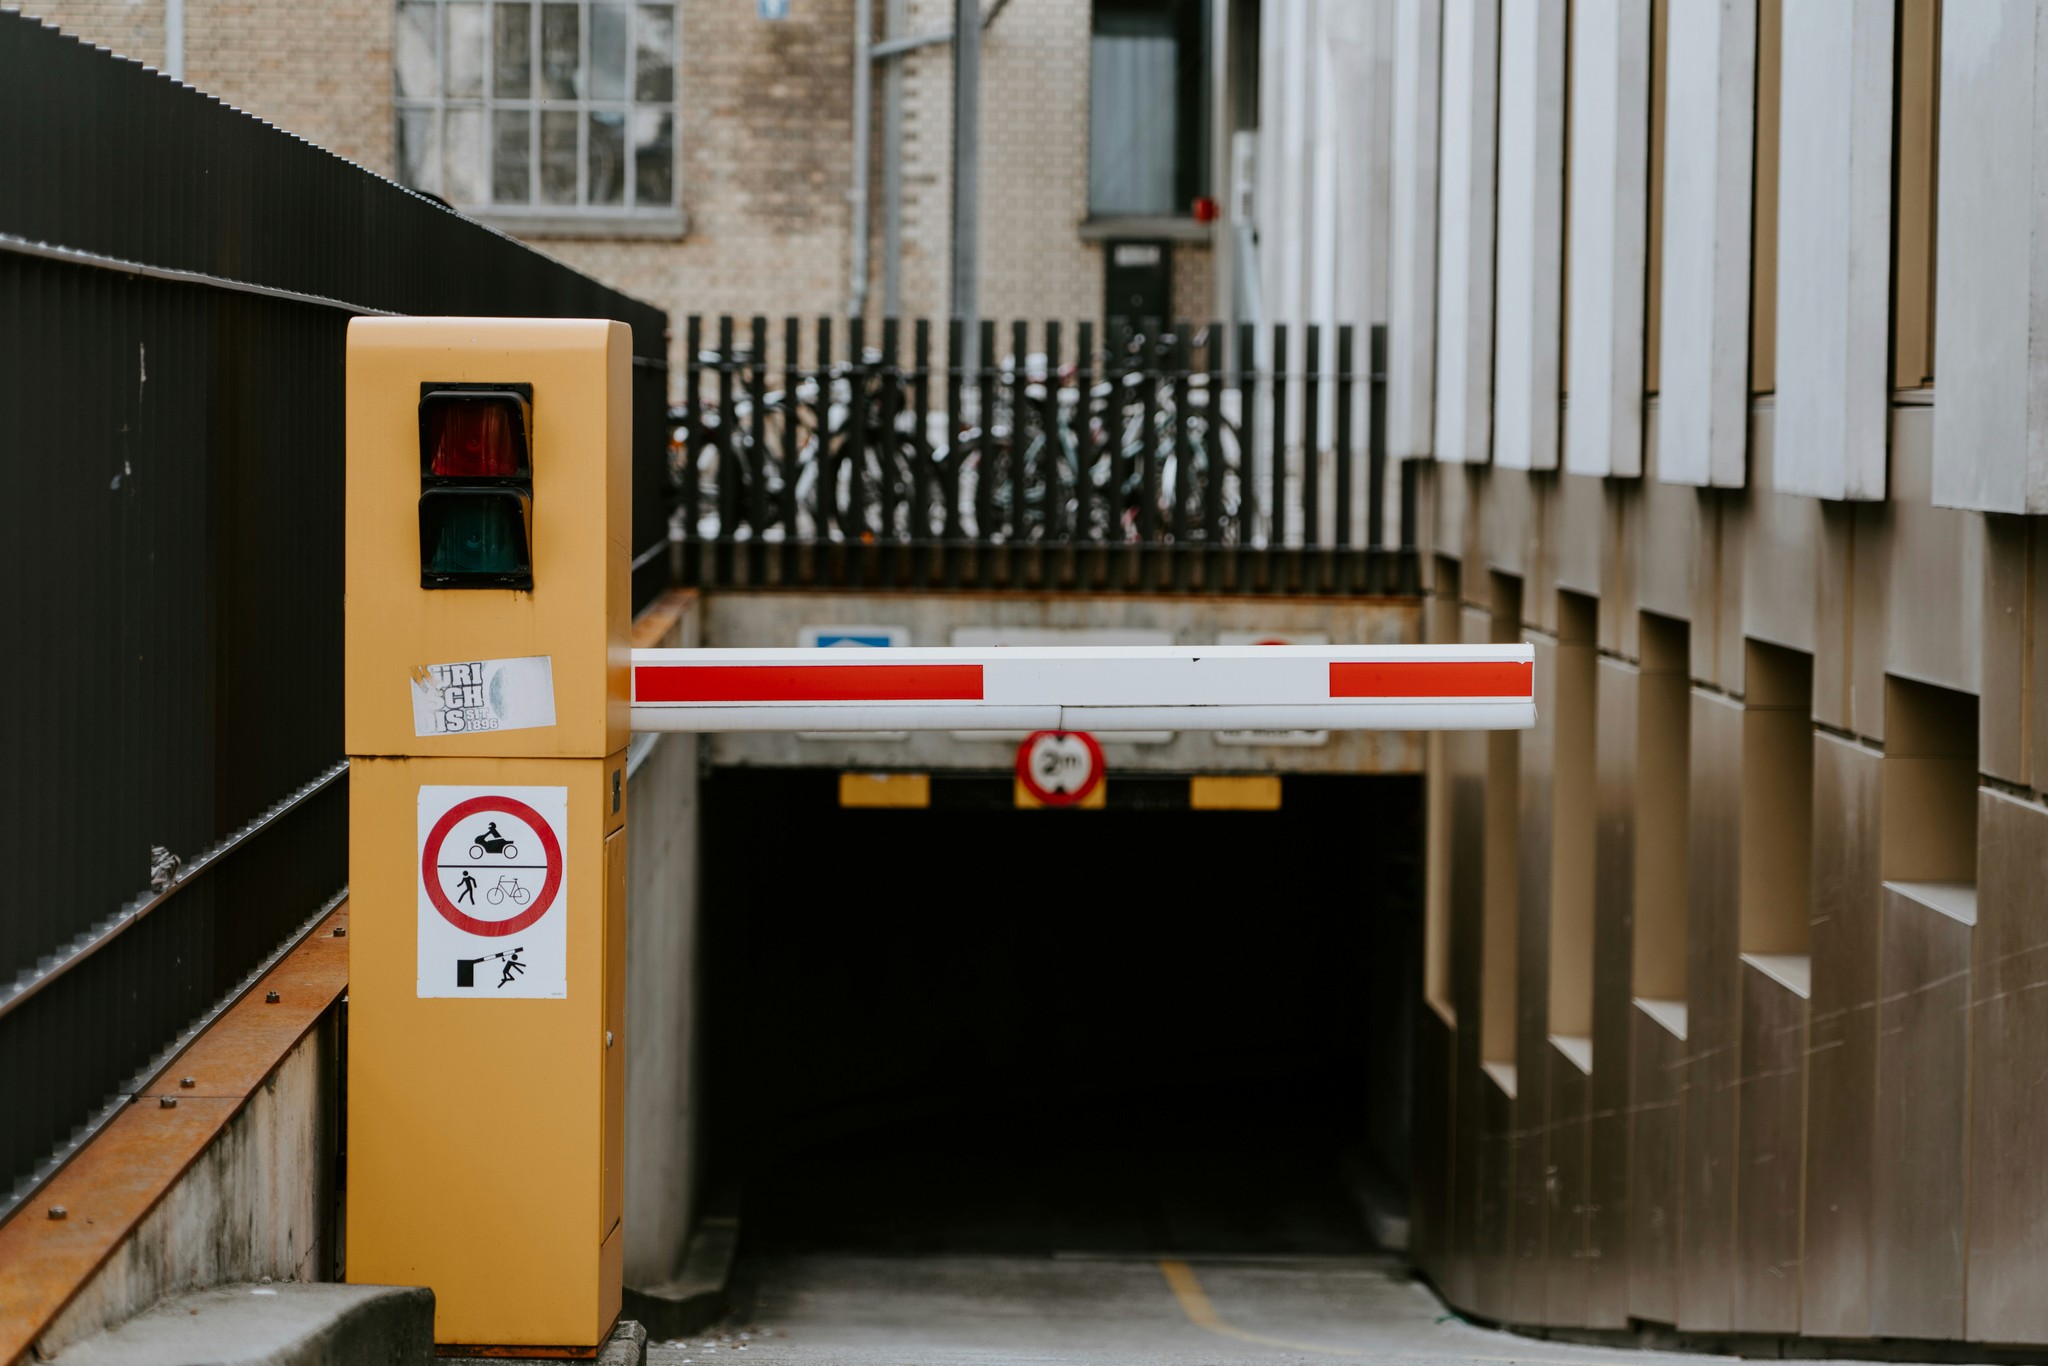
[
  {"x": 550, "y": 848},
  {"x": 1047, "y": 795}
]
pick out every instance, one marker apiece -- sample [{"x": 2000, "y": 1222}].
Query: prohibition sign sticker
[
  {"x": 1059, "y": 767},
  {"x": 492, "y": 876}
]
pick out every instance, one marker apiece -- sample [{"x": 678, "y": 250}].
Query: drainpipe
[
  {"x": 966, "y": 302},
  {"x": 174, "y": 39},
  {"x": 863, "y": 84},
  {"x": 895, "y": 19}
]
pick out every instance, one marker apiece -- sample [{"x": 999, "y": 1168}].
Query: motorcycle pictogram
[{"x": 491, "y": 842}]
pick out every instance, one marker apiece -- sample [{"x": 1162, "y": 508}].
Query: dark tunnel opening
[{"x": 972, "y": 1028}]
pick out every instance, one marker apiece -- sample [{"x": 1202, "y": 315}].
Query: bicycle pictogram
[{"x": 508, "y": 885}]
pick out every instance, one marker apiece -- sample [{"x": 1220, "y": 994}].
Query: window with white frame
[{"x": 521, "y": 110}]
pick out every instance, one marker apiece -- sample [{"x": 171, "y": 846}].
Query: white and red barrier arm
[{"x": 1163, "y": 687}]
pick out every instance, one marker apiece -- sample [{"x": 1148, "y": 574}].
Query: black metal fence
[
  {"x": 1183, "y": 458},
  {"x": 175, "y": 281}
]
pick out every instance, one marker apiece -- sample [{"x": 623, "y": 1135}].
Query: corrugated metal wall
[{"x": 176, "y": 278}]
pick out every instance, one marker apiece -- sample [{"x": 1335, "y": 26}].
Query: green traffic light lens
[{"x": 475, "y": 538}]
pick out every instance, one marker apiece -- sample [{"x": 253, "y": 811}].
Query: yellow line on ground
[{"x": 1194, "y": 1302}]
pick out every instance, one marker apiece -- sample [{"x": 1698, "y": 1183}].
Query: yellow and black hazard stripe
[{"x": 899, "y": 791}]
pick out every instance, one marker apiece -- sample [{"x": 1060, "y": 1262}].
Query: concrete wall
[
  {"x": 258, "y": 1203},
  {"x": 662, "y": 872}
]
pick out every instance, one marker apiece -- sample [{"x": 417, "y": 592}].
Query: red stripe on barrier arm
[
  {"x": 1433, "y": 678},
  {"x": 807, "y": 683}
]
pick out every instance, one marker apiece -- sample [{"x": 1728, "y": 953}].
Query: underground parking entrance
[{"x": 1099, "y": 1041}]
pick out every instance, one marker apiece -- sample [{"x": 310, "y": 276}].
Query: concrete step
[{"x": 273, "y": 1325}]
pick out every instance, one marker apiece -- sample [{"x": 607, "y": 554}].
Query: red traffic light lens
[{"x": 474, "y": 435}]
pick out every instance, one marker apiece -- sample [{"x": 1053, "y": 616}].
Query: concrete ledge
[
  {"x": 235, "y": 1133},
  {"x": 273, "y": 1325}
]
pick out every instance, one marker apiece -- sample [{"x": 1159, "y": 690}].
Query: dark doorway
[
  {"x": 973, "y": 1028},
  {"x": 1139, "y": 287}
]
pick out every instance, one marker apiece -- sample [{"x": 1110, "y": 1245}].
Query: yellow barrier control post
[{"x": 487, "y": 719}]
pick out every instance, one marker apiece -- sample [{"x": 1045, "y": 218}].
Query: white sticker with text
[{"x": 483, "y": 694}]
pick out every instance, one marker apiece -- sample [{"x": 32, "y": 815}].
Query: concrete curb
[
  {"x": 697, "y": 1298},
  {"x": 273, "y": 1325}
]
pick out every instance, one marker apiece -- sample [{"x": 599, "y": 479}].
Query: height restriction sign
[
  {"x": 493, "y": 892},
  {"x": 1059, "y": 767}
]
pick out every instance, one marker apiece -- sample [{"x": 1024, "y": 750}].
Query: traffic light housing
[
  {"x": 495, "y": 454},
  {"x": 476, "y": 485},
  {"x": 481, "y": 451}
]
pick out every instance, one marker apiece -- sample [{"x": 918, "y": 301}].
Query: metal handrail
[
  {"x": 53, "y": 1161},
  {"x": 92, "y": 940}
]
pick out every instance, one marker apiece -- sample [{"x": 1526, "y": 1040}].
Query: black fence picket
[{"x": 1176, "y": 458}]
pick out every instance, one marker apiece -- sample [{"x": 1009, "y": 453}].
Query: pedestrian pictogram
[
  {"x": 492, "y": 867},
  {"x": 1059, "y": 767}
]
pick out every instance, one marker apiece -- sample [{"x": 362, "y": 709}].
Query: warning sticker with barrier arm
[{"x": 493, "y": 912}]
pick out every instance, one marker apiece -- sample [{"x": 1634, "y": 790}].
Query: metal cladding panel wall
[
  {"x": 1656, "y": 1140},
  {"x": 1666, "y": 534},
  {"x": 1707, "y": 1222},
  {"x": 1920, "y": 1171},
  {"x": 1842, "y": 1046},
  {"x": 2007, "y": 702},
  {"x": 1929, "y": 562},
  {"x": 1528, "y": 278},
  {"x": 1429, "y": 1218},
  {"x": 1609, "y": 166},
  {"x": 1834, "y": 250},
  {"x": 176, "y": 278},
  {"x": 1607, "y": 1246},
  {"x": 2008, "y": 1214},
  {"x": 1780, "y": 533},
  {"x": 1709, "y": 110},
  {"x": 1565, "y": 1205},
  {"x": 1466, "y": 762},
  {"x": 1770, "y": 1143},
  {"x": 1465, "y": 224},
  {"x": 1991, "y": 258},
  {"x": 1532, "y": 991},
  {"x": 1492, "y": 1193},
  {"x": 1411, "y": 274}
]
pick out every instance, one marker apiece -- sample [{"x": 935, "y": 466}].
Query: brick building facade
[{"x": 762, "y": 147}]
